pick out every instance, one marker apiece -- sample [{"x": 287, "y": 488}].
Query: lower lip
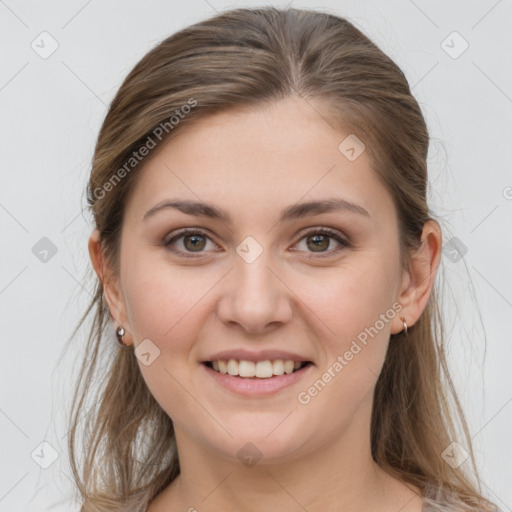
[{"x": 254, "y": 386}]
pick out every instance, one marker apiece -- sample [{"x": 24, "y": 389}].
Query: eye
[
  {"x": 194, "y": 241},
  {"x": 321, "y": 239}
]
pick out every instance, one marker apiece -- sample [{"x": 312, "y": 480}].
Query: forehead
[{"x": 260, "y": 160}]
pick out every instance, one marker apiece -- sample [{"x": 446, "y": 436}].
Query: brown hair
[{"x": 240, "y": 59}]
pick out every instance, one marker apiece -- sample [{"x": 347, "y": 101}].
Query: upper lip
[{"x": 262, "y": 355}]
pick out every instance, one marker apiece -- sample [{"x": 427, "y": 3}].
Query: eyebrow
[{"x": 293, "y": 212}]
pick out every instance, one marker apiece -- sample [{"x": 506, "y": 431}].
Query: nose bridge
[
  {"x": 255, "y": 296},
  {"x": 255, "y": 279}
]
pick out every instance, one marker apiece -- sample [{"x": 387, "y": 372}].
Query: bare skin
[{"x": 293, "y": 296}]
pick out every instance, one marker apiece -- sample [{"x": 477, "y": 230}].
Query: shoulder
[{"x": 439, "y": 498}]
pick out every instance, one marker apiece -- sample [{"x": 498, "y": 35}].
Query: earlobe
[{"x": 421, "y": 275}]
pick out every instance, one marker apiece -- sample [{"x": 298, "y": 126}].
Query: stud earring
[
  {"x": 405, "y": 324},
  {"x": 120, "y": 334}
]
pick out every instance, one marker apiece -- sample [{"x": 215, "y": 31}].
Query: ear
[
  {"x": 109, "y": 280},
  {"x": 420, "y": 276}
]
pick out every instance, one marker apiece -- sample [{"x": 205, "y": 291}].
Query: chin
[{"x": 252, "y": 442}]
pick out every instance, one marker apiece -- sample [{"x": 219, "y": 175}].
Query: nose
[{"x": 254, "y": 296}]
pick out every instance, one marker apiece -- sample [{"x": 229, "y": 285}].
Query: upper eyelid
[{"x": 187, "y": 231}]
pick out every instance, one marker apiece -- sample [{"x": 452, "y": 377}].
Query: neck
[{"x": 338, "y": 475}]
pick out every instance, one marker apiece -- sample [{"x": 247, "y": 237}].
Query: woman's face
[{"x": 265, "y": 283}]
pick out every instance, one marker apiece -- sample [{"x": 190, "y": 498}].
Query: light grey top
[{"x": 437, "y": 499}]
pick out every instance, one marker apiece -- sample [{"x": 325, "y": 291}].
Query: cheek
[
  {"x": 163, "y": 306},
  {"x": 162, "y": 300},
  {"x": 349, "y": 298},
  {"x": 354, "y": 313},
  {"x": 353, "y": 310}
]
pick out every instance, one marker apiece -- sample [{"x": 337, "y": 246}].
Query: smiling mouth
[{"x": 260, "y": 370}]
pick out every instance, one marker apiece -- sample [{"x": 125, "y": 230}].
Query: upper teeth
[{"x": 262, "y": 369}]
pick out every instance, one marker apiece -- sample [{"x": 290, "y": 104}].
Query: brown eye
[
  {"x": 187, "y": 242},
  {"x": 194, "y": 242},
  {"x": 318, "y": 242}
]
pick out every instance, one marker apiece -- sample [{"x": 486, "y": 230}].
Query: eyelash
[{"x": 317, "y": 231}]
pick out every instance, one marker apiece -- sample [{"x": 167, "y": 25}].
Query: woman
[{"x": 266, "y": 255}]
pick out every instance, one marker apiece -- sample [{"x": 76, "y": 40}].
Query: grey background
[{"x": 51, "y": 113}]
